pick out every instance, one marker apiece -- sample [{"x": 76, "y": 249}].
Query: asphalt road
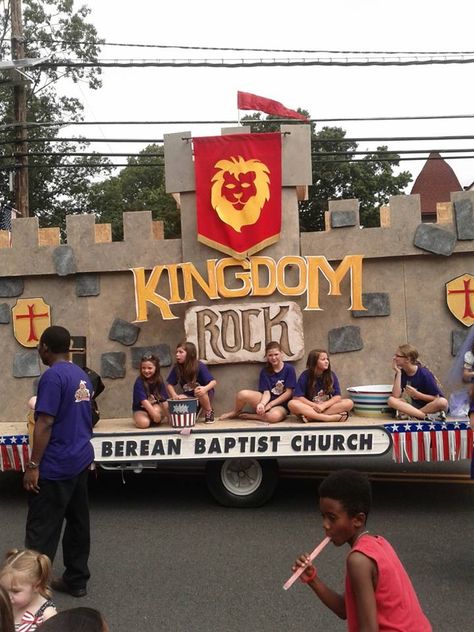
[{"x": 166, "y": 558}]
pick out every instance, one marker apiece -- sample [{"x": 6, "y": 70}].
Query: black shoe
[{"x": 59, "y": 585}]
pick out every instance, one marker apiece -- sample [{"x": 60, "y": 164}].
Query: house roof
[{"x": 435, "y": 182}]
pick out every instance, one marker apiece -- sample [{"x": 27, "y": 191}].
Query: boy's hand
[{"x": 305, "y": 562}]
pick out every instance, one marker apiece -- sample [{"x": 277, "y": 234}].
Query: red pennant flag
[
  {"x": 248, "y": 101},
  {"x": 238, "y": 191}
]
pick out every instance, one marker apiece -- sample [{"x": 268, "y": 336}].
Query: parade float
[{"x": 241, "y": 275}]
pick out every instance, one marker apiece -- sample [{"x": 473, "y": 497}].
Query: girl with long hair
[
  {"x": 317, "y": 395},
  {"x": 194, "y": 378},
  {"x": 149, "y": 394}
]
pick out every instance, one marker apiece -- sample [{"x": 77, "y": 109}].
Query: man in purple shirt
[{"x": 57, "y": 473}]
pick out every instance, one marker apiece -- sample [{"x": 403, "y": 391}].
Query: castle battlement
[{"x": 34, "y": 251}]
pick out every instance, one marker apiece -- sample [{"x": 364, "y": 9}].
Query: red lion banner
[{"x": 238, "y": 192}]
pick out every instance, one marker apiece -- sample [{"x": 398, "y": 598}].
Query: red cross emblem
[
  {"x": 460, "y": 298},
  {"x": 30, "y": 316}
]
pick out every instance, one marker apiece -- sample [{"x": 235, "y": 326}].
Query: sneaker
[
  {"x": 209, "y": 417},
  {"x": 303, "y": 419},
  {"x": 59, "y": 585},
  {"x": 433, "y": 418},
  {"x": 399, "y": 416},
  {"x": 442, "y": 415}
]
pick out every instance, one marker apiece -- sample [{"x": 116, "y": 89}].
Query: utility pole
[{"x": 19, "y": 109}]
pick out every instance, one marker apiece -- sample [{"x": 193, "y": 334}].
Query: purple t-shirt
[
  {"x": 203, "y": 378},
  {"x": 317, "y": 392},
  {"x": 423, "y": 381},
  {"x": 157, "y": 393},
  {"x": 277, "y": 383},
  {"x": 64, "y": 392}
]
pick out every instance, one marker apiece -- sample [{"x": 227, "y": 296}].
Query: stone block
[
  {"x": 377, "y": 304},
  {"x": 11, "y": 287},
  {"x": 464, "y": 214},
  {"x": 88, "y": 284},
  {"x": 433, "y": 239},
  {"x": 124, "y": 332},
  {"x": 112, "y": 364},
  {"x": 162, "y": 352},
  {"x": 457, "y": 340},
  {"x": 339, "y": 219},
  {"x": 344, "y": 339},
  {"x": 179, "y": 165},
  {"x": 64, "y": 260},
  {"x": 26, "y": 363},
  {"x": 5, "y": 314}
]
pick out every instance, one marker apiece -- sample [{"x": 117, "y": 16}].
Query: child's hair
[
  {"x": 6, "y": 613},
  {"x": 189, "y": 369},
  {"x": 31, "y": 566},
  {"x": 411, "y": 353},
  {"x": 311, "y": 364},
  {"x": 351, "y": 488},
  {"x": 152, "y": 386},
  {"x": 75, "y": 620},
  {"x": 268, "y": 347}
]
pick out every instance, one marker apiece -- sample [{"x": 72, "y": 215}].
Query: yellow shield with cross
[
  {"x": 30, "y": 317},
  {"x": 460, "y": 298}
]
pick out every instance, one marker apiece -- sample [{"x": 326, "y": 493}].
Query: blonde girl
[
  {"x": 25, "y": 575},
  {"x": 149, "y": 394},
  {"x": 317, "y": 395},
  {"x": 415, "y": 392},
  {"x": 275, "y": 388},
  {"x": 194, "y": 378}
]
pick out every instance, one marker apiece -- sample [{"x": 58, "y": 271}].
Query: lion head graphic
[{"x": 240, "y": 189}]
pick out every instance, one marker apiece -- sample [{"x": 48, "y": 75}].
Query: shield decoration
[
  {"x": 238, "y": 192},
  {"x": 460, "y": 298},
  {"x": 30, "y": 317}
]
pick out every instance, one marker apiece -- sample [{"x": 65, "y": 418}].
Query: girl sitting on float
[
  {"x": 416, "y": 392},
  {"x": 275, "y": 388},
  {"x": 317, "y": 395},
  {"x": 149, "y": 394},
  {"x": 194, "y": 378}
]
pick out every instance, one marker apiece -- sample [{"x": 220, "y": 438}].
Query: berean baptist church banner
[{"x": 238, "y": 192}]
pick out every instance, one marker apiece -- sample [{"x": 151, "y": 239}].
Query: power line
[
  {"x": 242, "y": 121},
  {"x": 251, "y": 63},
  {"x": 313, "y": 140},
  {"x": 159, "y": 164},
  {"x": 260, "y": 50}
]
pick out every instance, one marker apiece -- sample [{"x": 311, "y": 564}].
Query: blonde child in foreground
[
  {"x": 379, "y": 596},
  {"x": 25, "y": 576}
]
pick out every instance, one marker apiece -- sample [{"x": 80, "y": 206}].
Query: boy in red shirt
[{"x": 379, "y": 596}]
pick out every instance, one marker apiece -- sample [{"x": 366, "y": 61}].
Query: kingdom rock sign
[{"x": 231, "y": 278}]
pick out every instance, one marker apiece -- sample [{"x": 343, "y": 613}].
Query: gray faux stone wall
[
  {"x": 345, "y": 339},
  {"x": 64, "y": 261},
  {"x": 11, "y": 287},
  {"x": 435, "y": 239},
  {"x": 377, "y": 304},
  {"x": 113, "y": 364},
  {"x": 124, "y": 332},
  {"x": 162, "y": 352},
  {"x": 87, "y": 285},
  {"x": 26, "y": 363},
  {"x": 5, "y": 314}
]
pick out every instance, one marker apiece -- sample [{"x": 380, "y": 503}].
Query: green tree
[
  {"x": 57, "y": 183},
  {"x": 139, "y": 186},
  {"x": 336, "y": 174}
]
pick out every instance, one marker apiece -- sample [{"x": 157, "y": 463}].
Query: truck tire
[{"x": 242, "y": 482}]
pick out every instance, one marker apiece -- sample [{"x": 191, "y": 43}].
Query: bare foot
[{"x": 233, "y": 414}]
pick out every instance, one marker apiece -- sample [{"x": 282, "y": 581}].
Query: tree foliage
[
  {"x": 137, "y": 187},
  {"x": 52, "y": 29},
  {"x": 338, "y": 175}
]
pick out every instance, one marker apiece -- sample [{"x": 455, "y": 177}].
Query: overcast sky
[{"x": 326, "y": 92}]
